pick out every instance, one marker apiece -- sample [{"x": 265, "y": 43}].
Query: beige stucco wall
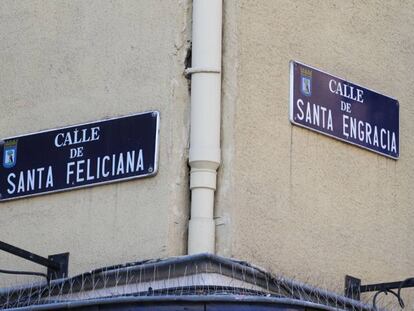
[
  {"x": 68, "y": 62},
  {"x": 291, "y": 200},
  {"x": 296, "y": 202}
]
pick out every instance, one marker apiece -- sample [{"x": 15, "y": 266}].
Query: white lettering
[
  {"x": 40, "y": 171},
  {"x": 330, "y": 123},
  {"x": 130, "y": 161},
  {"x": 95, "y": 133},
  {"x": 361, "y": 130},
  {"x": 383, "y": 145},
  {"x": 300, "y": 103},
  {"x": 11, "y": 183},
  {"x": 331, "y": 86},
  {"x": 316, "y": 115},
  {"x": 393, "y": 143},
  {"x": 308, "y": 114},
  {"x": 353, "y": 133},
  {"x": 339, "y": 89},
  {"x": 140, "y": 162},
  {"x": 30, "y": 180},
  {"x": 57, "y": 144},
  {"x": 108, "y": 166},
  {"x": 98, "y": 167},
  {"x": 69, "y": 171},
  {"x": 359, "y": 96},
  {"x": 104, "y": 172},
  {"x": 375, "y": 141},
  {"x": 68, "y": 140},
  {"x": 368, "y": 133},
  {"x": 49, "y": 179},
  {"x": 20, "y": 187},
  {"x": 120, "y": 169},
  {"x": 79, "y": 171},
  {"x": 345, "y": 125},
  {"x": 88, "y": 170},
  {"x": 346, "y": 90},
  {"x": 323, "y": 116},
  {"x": 113, "y": 164},
  {"x": 76, "y": 137}
]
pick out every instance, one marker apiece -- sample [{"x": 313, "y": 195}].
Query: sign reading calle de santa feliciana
[
  {"x": 344, "y": 110},
  {"x": 79, "y": 156}
]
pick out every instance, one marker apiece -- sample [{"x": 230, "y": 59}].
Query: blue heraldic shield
[{"x": 10, "y": 154}]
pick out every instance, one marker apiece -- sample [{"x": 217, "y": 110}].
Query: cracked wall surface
[{"x": 70, "y": 62}]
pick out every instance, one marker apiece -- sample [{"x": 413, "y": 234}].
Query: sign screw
[{"x": 150, "y": 169}]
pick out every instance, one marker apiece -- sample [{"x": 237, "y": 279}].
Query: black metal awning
[{"x": 196, "y": 280}]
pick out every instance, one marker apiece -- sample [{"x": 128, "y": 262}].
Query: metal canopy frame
[
  {"x": 353, "y": 288},
  {"x": 57, "y": 264}
]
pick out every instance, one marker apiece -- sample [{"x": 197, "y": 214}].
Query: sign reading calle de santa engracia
[
  {"x": 344, "y": 110},
  {"x": 79, "y": 156}
]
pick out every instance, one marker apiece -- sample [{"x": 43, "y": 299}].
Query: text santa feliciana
[{"x": 77, "y": 171}]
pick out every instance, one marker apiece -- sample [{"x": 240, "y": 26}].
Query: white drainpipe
[{"x": 205, "y": 122}]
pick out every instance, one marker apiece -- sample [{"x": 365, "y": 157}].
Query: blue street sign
[
  {"x": 79, "y": 156},
  {"x": 343, "y": 110}
]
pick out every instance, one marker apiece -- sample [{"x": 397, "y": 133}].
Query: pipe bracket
[{"x": 190, "y": 71}]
